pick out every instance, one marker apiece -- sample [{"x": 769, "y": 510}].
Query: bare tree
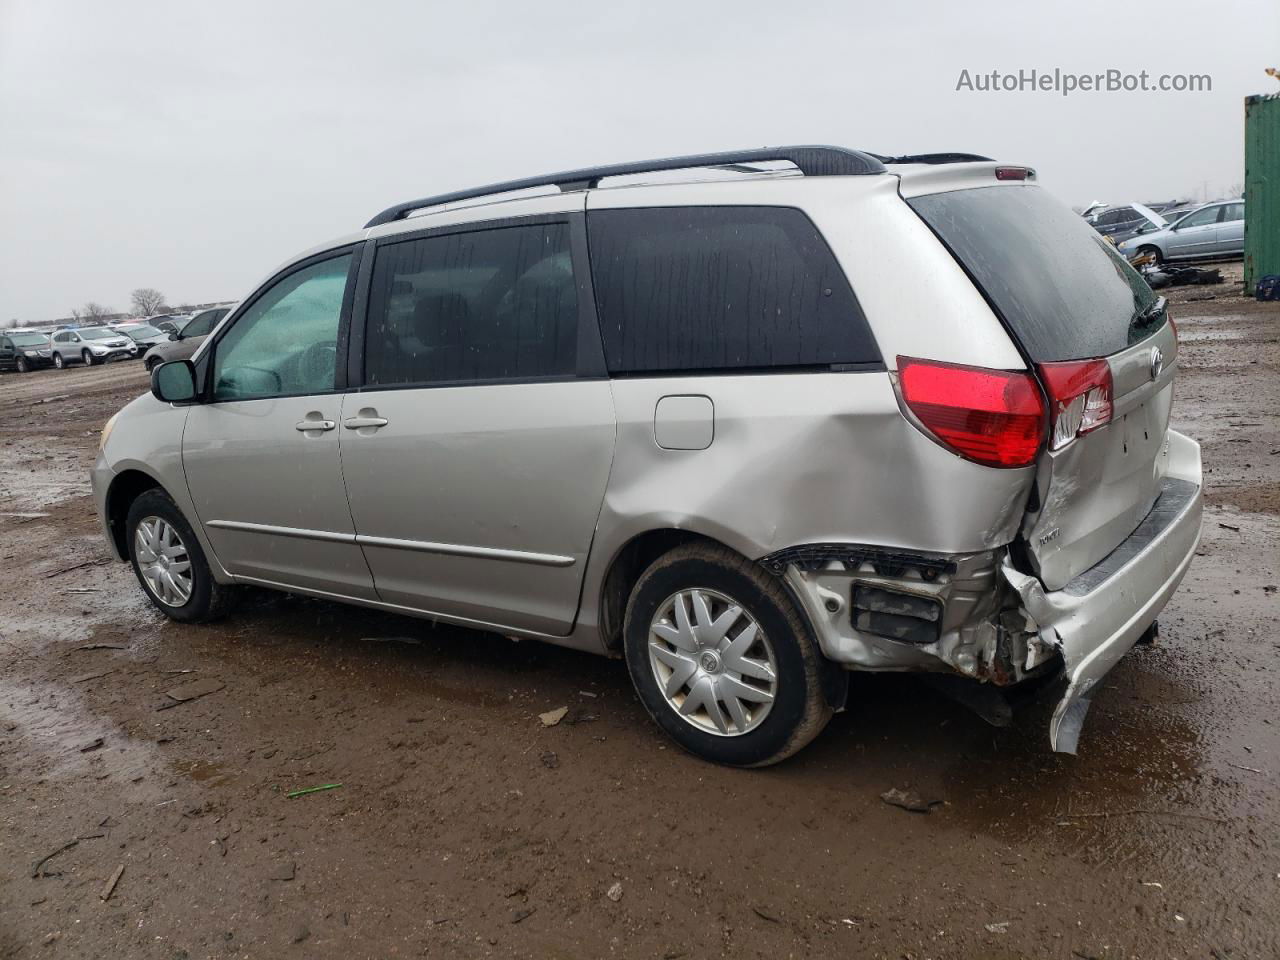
[
  {"x": 147, "y": 301},
  {"x": 95, "y": 312}
]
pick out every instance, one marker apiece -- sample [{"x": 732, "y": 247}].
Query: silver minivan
[{"x": 782, "y": 415}]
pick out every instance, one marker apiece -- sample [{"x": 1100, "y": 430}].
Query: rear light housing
[
  {"x": 1014, "y": 173},
  {"x": 992, "y": 417},
  {"x": 1080, "y": 398}
]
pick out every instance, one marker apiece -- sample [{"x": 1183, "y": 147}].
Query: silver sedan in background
[{"x": 1213, "y": 230}]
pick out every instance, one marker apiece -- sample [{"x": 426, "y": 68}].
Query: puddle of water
[{"x": 57, "y": 738}]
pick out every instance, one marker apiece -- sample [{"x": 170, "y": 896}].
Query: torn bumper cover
[
  {"x": 979, "y": 616},
  {"x": 1096, "y": 618}
]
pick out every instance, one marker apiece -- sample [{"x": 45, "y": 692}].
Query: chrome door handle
[
  {"x": 305, "y": 425},
  {"x": 355, "y": 423}
]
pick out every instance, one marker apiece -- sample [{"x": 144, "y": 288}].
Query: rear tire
[
  {"x": 160, "y": 542},
  {"x": 87, "y": 357},
  {"x": 700, "y": 664}
]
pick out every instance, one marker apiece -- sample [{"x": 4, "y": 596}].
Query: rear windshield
[{"x": 1062, "y": 290}]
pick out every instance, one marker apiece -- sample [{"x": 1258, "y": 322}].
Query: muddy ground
[{"x": 463, "y": 827}]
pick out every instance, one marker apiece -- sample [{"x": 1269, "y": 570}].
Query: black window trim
[
  {"x": 590, "y": 358},
  {"x": 204, "y": 370},
  {"x": 860, "y": 366}
]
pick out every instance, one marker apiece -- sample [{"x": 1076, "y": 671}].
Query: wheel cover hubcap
[
  {"x": 712, "y": 662},
  {"x": 163, "y": 560}
]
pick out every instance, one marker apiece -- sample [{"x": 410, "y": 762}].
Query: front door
[
  {"x": 477, "y": 452},
  {"x": 261, "y": 455},
  {"x": 1196, "y": 234}
]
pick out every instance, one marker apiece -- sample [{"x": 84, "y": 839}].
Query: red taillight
[
  {"x": 1011, "y": 173},
  {"x": 994, "y": 417},
  {"x": 1079, "y": 398}
]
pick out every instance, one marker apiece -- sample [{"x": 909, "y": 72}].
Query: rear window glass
[
  {"x": 1062, "y": 290},
  {"x": 721, "y": 288}
]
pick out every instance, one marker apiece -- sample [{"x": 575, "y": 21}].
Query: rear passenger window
[
  {"x": 491, "y": 304},
  {"x": 721, "y": 289}
]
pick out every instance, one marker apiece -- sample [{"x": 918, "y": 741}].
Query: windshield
[
  {"x": 144, "y": 333},
  {"x": 1061, "y": 289},
  {"x": 98, "y": 333},
  {"x": 30, "y": 339}
]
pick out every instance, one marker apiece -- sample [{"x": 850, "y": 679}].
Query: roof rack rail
[
  {"x": 812, "y": 161},
  {"x": 935, "y": 158}
]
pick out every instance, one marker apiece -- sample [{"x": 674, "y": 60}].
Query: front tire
[
  {"x": 22, "y": 365},
  {"x": 87, "y": 357},
  {"x": 59, "y": 362},
  {"x": 1153, "y": 252},
  {"x": 722, "y": 659},
  {"x": 169, "y": 563}
]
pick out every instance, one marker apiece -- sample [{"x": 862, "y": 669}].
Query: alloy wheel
[
  {"x": 712, "y": 662},
  {"x": 163, "y": 561}
]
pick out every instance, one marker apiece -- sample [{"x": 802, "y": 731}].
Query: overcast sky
[{"x": 192, "y": 147}]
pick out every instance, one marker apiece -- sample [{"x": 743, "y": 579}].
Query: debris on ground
[
  {"x": 286, "y": 870},
  {"x": 91, "y": 676},
  {"x": 78, "y": 566},
  {"x": 614, "y": 893},
  {"x": 110, "y": 887},
  {"x": 764, "y": 914},
  {"x": 908, "y": 800},
  {"x": 410, "y": 641},
  {"x": 191, "y": 691},
  {"x": 104, "y": 646},
  {"x": 93, "y": 745},
  {"x": 39, "y": 871},
  {"x": 1002, "y": 927},
  {"x": 524, "y": 913},
  {"x": 319, "y": 789},
  {"x": 552, "y": 717},
  {"x": 549, "y": 759}
]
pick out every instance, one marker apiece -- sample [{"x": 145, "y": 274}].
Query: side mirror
[
  {"x": 173, "y": 336},
  {"x": 174, "y": 382}
]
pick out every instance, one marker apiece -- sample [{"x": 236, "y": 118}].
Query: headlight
[
  {"x": 97, "y": 349},
  {"x": 30, "y": 353},
  {"x": 106, "y": 430}
]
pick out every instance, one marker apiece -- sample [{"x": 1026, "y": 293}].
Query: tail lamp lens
[
  {"x": 1079, "y": 398},
  {"x": 993, "y": 417}
]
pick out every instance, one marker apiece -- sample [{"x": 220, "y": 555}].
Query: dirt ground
[{"x": 463, "y": 827}]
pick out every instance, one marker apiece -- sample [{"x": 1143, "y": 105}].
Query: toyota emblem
[{"x": 1157, "y": 362}]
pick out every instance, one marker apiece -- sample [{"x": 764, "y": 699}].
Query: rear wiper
[{"x": 1153, "y": 310}]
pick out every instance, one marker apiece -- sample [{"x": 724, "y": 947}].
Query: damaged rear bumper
[
  {"x": 1096, "y": 618},
  {"x": 978, "y": 616}
]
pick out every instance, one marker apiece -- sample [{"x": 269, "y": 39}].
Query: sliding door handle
[{"x": 365, "y": 418}]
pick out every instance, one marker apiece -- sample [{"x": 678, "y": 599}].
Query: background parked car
[
  {"x": 1214, "y": 230},
  {"x": 169, "y": 322},
  {"x": 1122, "y": 222},
  {"x": 187, "y": 339},
  {"x": 90, "y": 345},
  {"x": 144, "y": 335},
  {"x": 24, "y": 350}
]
